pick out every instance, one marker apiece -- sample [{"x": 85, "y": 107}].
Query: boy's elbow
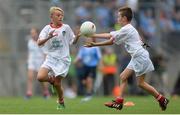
[
  {"x": 39, "y": 43},
  {"x": 111, "y": 42},
  {"x": 74, "y": 42}
]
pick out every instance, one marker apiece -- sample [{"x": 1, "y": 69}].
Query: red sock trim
[
  {"x": 61, "y": 100},
  {"x": 119, "y": 100},
  {"x": 159, "y": 97}
]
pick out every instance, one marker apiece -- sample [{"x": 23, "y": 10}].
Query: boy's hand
[
  {"x": 89, "y": 44},
  {"x": 79, "y": 34},
  {"x": 51, "y": 34},
  {"x": 88, "y": 35}
]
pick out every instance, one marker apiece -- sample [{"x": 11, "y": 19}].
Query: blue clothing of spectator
[{"x": 89, "y": 56}]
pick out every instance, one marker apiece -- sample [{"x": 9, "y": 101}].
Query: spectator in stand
[
  {"x": 176, "y": 89},
  {"x": 83, "y": 12},
  {"x": 89, "y": 58},
  {"x": 35, "y": 59},
  {"x": 148, "y": 27}
]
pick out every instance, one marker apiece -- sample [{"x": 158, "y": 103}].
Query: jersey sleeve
[
  {"x": 71, "y": 35},
  {"x": 119, "y": 36},
  {"x": 44, "y": 33}
]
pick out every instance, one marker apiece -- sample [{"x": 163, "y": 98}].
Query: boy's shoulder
[
  {"x": 47, "y": 27},
  {"x": 66, "y": 25},
  {"x": 127, "y": 26}
]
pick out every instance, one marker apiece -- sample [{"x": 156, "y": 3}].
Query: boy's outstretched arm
[
  {"x": 102, "y": 35},
  {"x": 103, "y": 43},
  {"x": 76, "y": 38},
  {"x": 43, "y": 41}
]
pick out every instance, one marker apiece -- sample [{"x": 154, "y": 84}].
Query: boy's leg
[
  {"x": 124, "y": 76},
  {"x": 89, "y": 89},
  {"x": 161, "y": 99},
  {"x": 118, "y": 102},
  {"x": 43, "y": 76},
  {"x": 58, "y": 85},
  {"x": 89, "y": 85},
  {"x": 46, "y": 93}
]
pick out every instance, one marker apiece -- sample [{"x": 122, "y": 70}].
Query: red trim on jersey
[{"x": 51, "y": 24}]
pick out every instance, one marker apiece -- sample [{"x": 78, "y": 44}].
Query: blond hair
[{"x": 53, "y": 8}]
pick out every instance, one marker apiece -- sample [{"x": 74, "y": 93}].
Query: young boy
[
  {"x": 55, "y": 40},
  {"x": 140, "y": 62}
]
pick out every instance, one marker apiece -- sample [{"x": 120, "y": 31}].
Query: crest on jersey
[{"x": 63, "y": 33}]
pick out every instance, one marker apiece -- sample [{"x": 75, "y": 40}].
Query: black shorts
[{"x": 89, "y": 71}]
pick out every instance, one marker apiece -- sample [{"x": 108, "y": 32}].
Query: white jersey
[
  {"x": 35, "y": 55},
  {"x": 130, "y": 37},
  {"x": 140, "y": 61},
  {"x": 58, "y": 46}
]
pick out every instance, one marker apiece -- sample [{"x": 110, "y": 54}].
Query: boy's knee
[
  {"x": 40, "y": 78},
  {"x": 56, "y": 83},
  {"x": 42, "y": 75},
  {"x": 140, "y": 84}
]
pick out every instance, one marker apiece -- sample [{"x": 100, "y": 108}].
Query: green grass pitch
[{"x": 38, "y": 105}]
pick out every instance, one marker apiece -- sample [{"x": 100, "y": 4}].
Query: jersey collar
[{"x": 51, "y": 24}]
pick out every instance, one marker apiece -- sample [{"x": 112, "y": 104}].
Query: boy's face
[
  {"x": 57, "y": 17},
  {"x": 120, "y": 18}
]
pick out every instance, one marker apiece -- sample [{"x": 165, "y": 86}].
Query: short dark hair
[{"x": 126, "y": 11}]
